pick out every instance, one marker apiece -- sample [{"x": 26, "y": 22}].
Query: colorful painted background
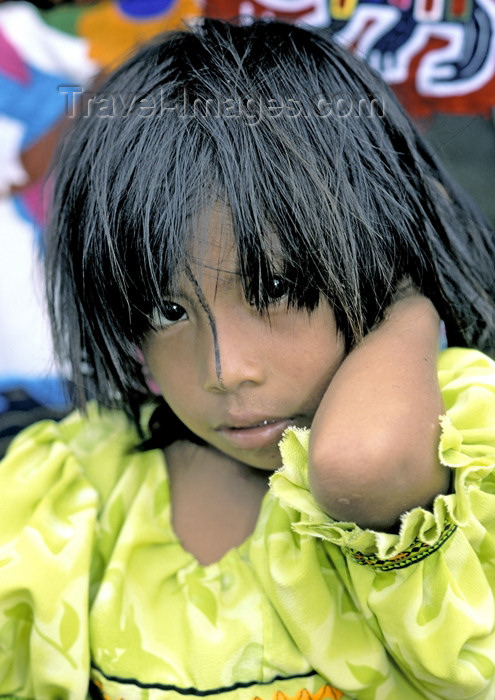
[{"x": 439, "y": 56}]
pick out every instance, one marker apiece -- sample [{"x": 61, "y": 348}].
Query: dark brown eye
[
  {"x": 168, "y": 314},
  {"x": 276, "y": 289},
  {"x": 272, "y": 291}
]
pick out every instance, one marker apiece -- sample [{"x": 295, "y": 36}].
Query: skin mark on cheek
[{"x": 211, "y": 320}]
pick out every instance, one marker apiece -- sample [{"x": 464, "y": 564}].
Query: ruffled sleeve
[
  {"x": 467, "y": 445},
  {"x": 427, "y": 591},
  {"x": 47, "y": 517}
]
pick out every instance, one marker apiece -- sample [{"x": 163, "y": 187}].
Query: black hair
[{"x": 304, "y": 144}]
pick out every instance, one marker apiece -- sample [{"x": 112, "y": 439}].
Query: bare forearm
[{"x": 373, "y": 447}]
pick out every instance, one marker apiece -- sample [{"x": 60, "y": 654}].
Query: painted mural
[{"x": 438, "y": 55}]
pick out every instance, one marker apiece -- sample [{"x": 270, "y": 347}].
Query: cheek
[
  {"x": 168, "y": 371},
  {"x": 322, "y": 355}
]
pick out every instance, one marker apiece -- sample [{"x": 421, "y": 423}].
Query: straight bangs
[{"x": 322, "y": 178}]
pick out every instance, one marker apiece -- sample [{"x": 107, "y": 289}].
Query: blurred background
[{"x": 438, "y": 55}]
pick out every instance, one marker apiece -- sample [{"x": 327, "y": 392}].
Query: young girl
[{"x": 244, "y": 246}]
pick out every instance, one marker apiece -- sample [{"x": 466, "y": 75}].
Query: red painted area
[
  {"x": 228, "y": 9},
  {"x": 11, "y": 63},
  {"x": 458, "y": 8},
  {"x": 479, "y": 102}
]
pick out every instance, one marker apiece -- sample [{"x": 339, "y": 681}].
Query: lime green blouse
[{"x": 95, "y": 587}]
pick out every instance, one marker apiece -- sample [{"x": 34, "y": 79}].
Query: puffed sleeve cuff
[
  {"x": 46, "y": 524},
  {"x": 467, "y": 446}
]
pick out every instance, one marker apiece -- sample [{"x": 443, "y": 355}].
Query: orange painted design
[
  {"x": 112, "y": 35},
  {"x": 326, "y": 692}
]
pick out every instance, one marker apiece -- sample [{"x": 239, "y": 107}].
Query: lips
[
  {"x": 249, "y": 433},
  {"x": 259, "y": 424}
]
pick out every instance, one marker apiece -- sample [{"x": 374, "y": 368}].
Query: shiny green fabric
[{"x": 95, "y": 584}]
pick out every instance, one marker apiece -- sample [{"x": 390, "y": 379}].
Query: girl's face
[{"x": 236, "y": 378}]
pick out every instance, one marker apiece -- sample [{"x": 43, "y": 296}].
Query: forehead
[
  {"x": 220, "y": 253},
  {"x": 213, "y": 250}
]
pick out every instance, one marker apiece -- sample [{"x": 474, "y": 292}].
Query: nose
[{"x": 234, "y": 356}]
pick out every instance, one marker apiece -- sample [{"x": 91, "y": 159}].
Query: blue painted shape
[{"x": 145, "y": 9}]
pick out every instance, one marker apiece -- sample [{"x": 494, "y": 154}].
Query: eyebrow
[{"x": 218, "y": 270}]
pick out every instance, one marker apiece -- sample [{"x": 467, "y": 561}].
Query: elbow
[
  {"x": 370, "y": 485},
  {"x": 349, "y": 483}
]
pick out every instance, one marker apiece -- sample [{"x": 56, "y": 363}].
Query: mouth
[{"x": 255, "y": 435}]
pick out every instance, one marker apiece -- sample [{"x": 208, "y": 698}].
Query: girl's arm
[{"x": 373, "y": 446}]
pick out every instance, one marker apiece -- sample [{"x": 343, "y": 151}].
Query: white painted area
[
  {"x": 25, "y": 343},
  {"x": 12, "y": 171},
  {"x": 45, "y": 47}
]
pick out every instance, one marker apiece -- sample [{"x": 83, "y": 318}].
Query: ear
[{"x": 148, "y": 377}]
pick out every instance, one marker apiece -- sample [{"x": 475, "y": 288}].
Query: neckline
[{"x": 238, "y": 552}]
